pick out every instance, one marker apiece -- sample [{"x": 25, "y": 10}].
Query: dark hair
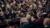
[
  {"x": 22, "y": 5},
  {"x": 1, "y": 18},
  {"x": 16, "y": 5},
  {"x": 0, "y": 10},
  {"x": 21, "y": 1},
  {"x": 45, "y": 15},
  {"x": 27, "y": 6}
]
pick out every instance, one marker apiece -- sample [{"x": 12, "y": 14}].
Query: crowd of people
[{"x": 25, "y": 13}]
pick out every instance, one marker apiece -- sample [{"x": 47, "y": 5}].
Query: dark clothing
[
  {"x": 11, "y": 23},
  {"x": 1, "y": 18},
  {"x": 39, "y": 23}
]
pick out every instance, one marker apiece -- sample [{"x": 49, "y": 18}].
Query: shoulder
[{"x": 46, "y": 19}]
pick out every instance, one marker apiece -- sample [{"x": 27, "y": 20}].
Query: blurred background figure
[
  {"x": 24, "y": 13},
  {"x": 47, "y": 22}
]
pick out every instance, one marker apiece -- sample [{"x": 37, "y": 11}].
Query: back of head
[{"x": 44, "y": 15}]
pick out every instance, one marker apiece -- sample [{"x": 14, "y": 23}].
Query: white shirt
[{"x": 24, "y": 19}]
